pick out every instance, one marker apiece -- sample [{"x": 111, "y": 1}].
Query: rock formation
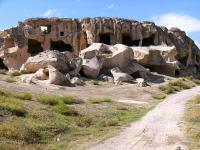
[{"x": 101, "y": 43}]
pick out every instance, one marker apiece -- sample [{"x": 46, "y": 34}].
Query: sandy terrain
[{"x": 158, "y": 130}]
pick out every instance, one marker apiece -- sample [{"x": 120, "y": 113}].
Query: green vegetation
[
  {"x": 15, "y": 73},
  {"x": 177, "y": 85},
  {"x": 24, "y": 96},
  {"x": 64, "y": 110},
  {"x": 11, "y": 105},
  {"x": 100, "y": 100},
  {"x": 55, "y": 100},
  {"x": 2, "y": 71},
  {"x": 48, "y": 125},
  {"x": 159, "y": 96},
  {"x": 192, "y": 118}
]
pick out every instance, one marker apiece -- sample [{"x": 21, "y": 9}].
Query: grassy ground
[
  {"x": 192, "y": 118},
  {"x": 50, "y": 122}
]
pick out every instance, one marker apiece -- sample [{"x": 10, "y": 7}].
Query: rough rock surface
[
  {"x": 102, "y": 43},
  {"x": 119, "y": 76}
]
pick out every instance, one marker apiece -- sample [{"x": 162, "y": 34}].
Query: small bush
[
  {"x": 69, "y": 100},
  {"x": 12, "y": 106},
  {"x": 84, "y": 121},
  {"x": 49, "y": 99},
  {"x": 100, "y": 100},
  {"x": 9, "y": 80},
  {"x": 24, "y": 96},
  {"x": 108, "y": 122},
  {"x": 64, "y": 110},
  {"x": 2, "y": 71},
  {"x": 176, "y": 86},
  {"x": 159, "y": 96},
  {"x": 5, "y": 93},
  {"x": 15, "y": 73},
  {"x": 24, "y": 72}
]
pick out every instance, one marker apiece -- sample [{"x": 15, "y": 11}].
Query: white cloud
[
  {"x": 185, "y": 22},
  {"x": 111, "y": 6},
  {"x": 52, "y": 13}
]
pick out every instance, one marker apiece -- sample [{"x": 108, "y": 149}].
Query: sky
[{"x": 184, "y": 14}]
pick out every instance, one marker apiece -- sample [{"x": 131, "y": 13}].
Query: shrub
[
  {"x": 4, "y": 92},
  {"x": 69, "y": 100},
  {"x": 12, "y": 106},
  {"x": 49, "y": 99},
  {"x": 15, "y": 73},
  {"x": 84, "y": 121},
  {"x": 64, "y": 110},
  {"x": 24, "y": 96},
  {"x": 100, "y": 100},
  {"x": 2, "y": 71},
  {"x": 159, "y": 96},
  {"x": 108, "y": 122},
  {"x": 24, "y": 72}
]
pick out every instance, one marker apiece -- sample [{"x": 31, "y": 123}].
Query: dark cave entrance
[
  {"x": 177, "y": 73},
  {"x": 61, "y": 46},
  {"x": 126, "y": 40},
  {"x": 148, "y": 41},
  {"x": 136, "y": 75},
  {"x": 2, "y": 65},
  {"x": 104, "y": 38},
  {"x": 34, "y": 47}
]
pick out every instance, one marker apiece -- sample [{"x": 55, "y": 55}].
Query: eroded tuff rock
[{"x": 129, "y": 45}]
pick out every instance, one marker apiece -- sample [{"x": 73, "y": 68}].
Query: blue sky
[{"x": 184, "y": 14}]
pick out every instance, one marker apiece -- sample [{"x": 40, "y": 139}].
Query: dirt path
[{"x": 158, "y": 130}]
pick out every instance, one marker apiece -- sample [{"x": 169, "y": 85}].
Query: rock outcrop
[{"x": 102, "y": 43}]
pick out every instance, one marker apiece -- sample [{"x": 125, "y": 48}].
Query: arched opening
[
  {"x": 148, "y": 41},
  {"x": 61, "y": 46},
  {"x": 34, "y": 47},
  {"x": 126, "y": 40},
  {"x": 104, "y": 38},
  {"x": 177, "y": 73},
  {"x": 2, "y": 65}
]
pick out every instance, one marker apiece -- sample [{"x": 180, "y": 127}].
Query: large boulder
[
  {"x": 161, "y": 58},
  {"x": 56, "y": 77},
  {"x": 49, "y": 57},
  {"x": 101, "y": 57}
]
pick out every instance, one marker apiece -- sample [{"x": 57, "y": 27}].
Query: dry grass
[
  {"x": 192, "y": 118},
  {"x": 33, "y": 125}
]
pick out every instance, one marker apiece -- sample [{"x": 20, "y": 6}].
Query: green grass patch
[
  {"x": 2, "y": 71},
  {"x": 11, "y": 105},
  {"x": 100, "y": 100},
  {"x": 64, "y": 110},
  {"x": 15, "y": 73},
  {"x": 159, "y": 96},
  {"x": 24, "y": 96},
  {"x": 55, "y": 100}
]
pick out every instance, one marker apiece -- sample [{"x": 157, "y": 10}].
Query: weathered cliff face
[{"x": 33, "y": 36}]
